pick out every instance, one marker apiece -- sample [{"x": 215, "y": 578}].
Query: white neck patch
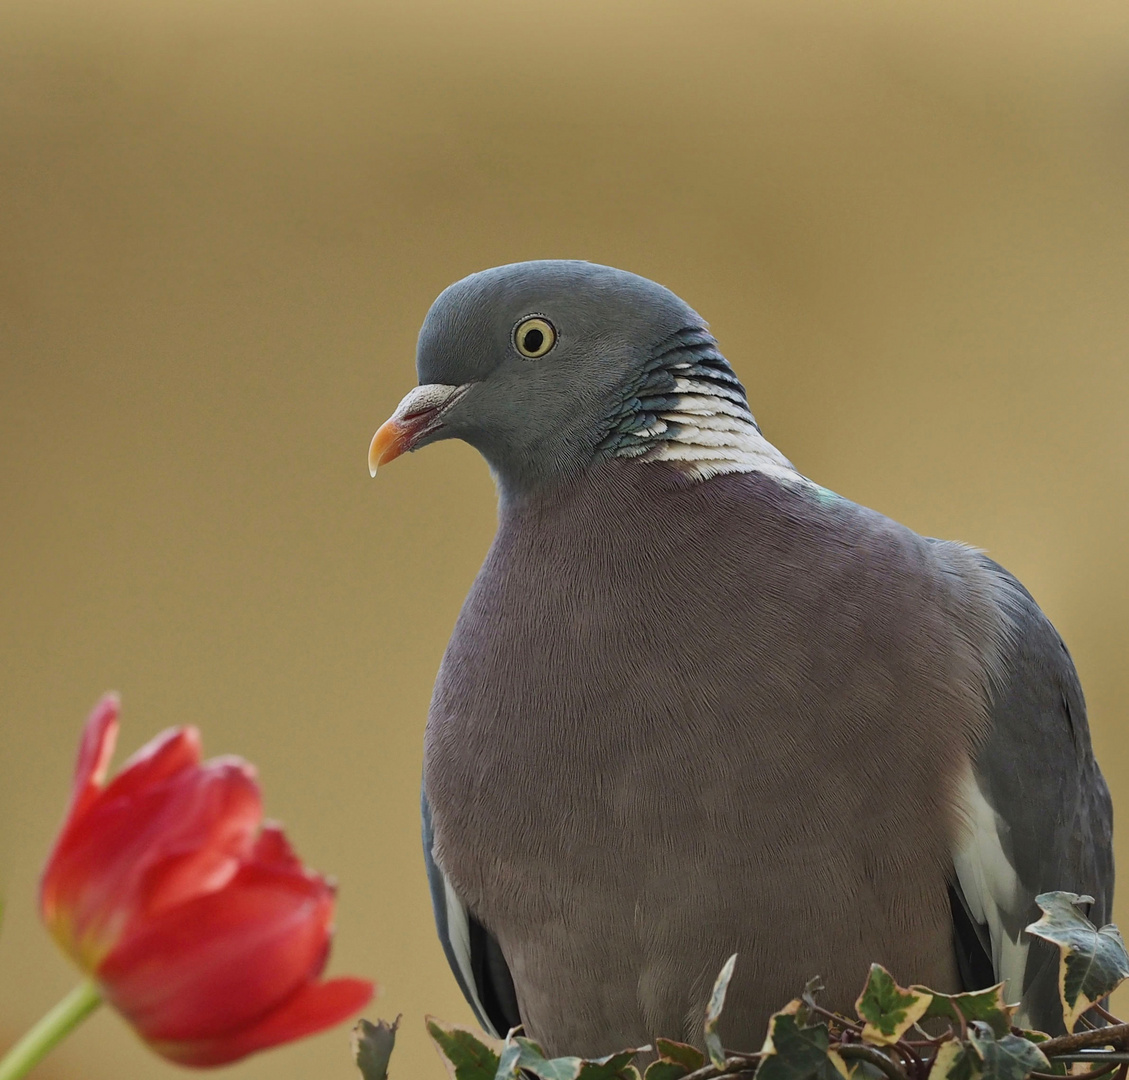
[{"x": 708, "y": 430}]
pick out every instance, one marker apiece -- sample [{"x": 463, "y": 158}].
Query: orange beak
[
  {"x": 389, "y": 442},
  {"x": 416, "y": 418}
]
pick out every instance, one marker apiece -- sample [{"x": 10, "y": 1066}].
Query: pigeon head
[{"x": 548, "y": 367}]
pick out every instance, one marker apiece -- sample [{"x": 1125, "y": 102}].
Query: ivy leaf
[
  {"x": 1008, "y": 1058},
  {"x": 887, "y": 1009},
  {"x": 987, "y": 1005},
  {"x": 1092, "y": 962},
  {"x": 683, "y": 1053},
  {"x": 533, "y": 1059},
  {"x": 1059, "y": 1068},
  {"x": 713, "y": 1012},
  {"x": 666, "y": 1070},
  {"x": 954, "y": 1061},
  {"x": 615, "y": 1066},
  {"x": 508, "y": 1061},
  {"x": 794, "y": 1052},
  {"x": 675, "y": 1060},
  {"x": 372, "y": 1047},
  {"x": 468, "y": 1054}
]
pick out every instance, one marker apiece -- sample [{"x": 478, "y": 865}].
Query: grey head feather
[{"x": 634, "y": 372}]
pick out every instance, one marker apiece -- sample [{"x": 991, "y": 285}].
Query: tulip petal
[
  {"x": 146, "y": 850},
  {"x": 272, "y": 850},
  {"x": 222, "y": 961},
  {"x": 313, "y": 1008},
  {"x": 167, "y": 754},
  {"x": 99, "y": 735},
  {"x": 161, "y": 757}
]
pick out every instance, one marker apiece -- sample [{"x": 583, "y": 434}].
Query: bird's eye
[{"x": 535, "y": 336}]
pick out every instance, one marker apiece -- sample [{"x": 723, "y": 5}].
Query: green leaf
[
  {"x": 683, "y": 1053},
  {"x": 372, "y": 1047},
  {"x": 615, "y": 1066},
  {"x": 508, "y": 1061},
  {"x": 987, "y": 1005},
  {"x": 1092, "y": 962},
  {"x": 794, "y": 1052},
  {"x": 1059, "y": 1068},
  {"x": 533, "y": 1058},
  {"x": 887, "y": 1009},
  {"x": 468, "y": 1054},
  {"x": 666, "y": 1070},
  {"x": 675, "y": 1060},
  {"x": 1008, "y": 1058},
  {"x": 954, "y": 1061},
  {"x": 713, "y": 1012}
]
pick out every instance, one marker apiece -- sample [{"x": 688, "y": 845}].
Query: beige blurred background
[{"x": 222, "y": 223}]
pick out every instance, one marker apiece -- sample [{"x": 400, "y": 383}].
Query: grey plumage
[
  {"x": 1037, "y": 771},
  {"x": 695, "y": 704}
]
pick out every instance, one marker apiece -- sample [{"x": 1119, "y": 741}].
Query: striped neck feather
[{"x": 689, "y": 409}]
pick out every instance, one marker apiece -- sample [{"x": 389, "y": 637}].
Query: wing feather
[
  {"x": 472, "y": 952},
  {"x": 1037, "y": 812}
]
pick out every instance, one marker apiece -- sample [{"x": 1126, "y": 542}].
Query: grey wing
[
  {"x": 474, "y": 955},
  {"x": 1039, "y": 813}
]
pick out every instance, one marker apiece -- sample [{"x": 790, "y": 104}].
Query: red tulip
[{"x": 195, "y": 919}]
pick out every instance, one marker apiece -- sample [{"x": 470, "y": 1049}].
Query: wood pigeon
[{"x": 696, "y": 704}]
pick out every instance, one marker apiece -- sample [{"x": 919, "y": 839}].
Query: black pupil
[{"x": 534, "y": 339}]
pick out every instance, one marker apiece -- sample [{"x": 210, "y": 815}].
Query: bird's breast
[{"x": 654, "y": 704}]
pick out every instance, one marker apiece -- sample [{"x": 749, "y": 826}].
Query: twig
[
  {"x": 936, "y": 1040},
  {"x": 911, "y": 1057},
  {"x": 842, "y": 1022},
  {"x": 869, "y": 1054},
  {"x": 1093, "y": 1074},
  {"x": 963, "y": 1025},
  {"x": 1114, "y": 1035},
  {"x": 743, "y": 1063},
  {"x": 1105, "y": 1014},
  {"x": 1092, "y": 1057}
]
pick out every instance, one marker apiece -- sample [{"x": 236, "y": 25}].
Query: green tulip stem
[{"x": 52, "y": 1029}]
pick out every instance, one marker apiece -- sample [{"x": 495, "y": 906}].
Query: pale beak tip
[
  {"x": 387, "y": 444},
  {"x": 374, "y": 451}
]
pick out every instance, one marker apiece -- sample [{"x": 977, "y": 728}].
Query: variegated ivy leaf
[
  {"x": 888, "y": 1010},
  {"x": 372, "y": 1047},
  {"x": 1092, "y": 962},
  {"x": 467, "y": 1054},
  {"x": 793, "y": 1051},
  {"x": 1058, "y": 1067},
  {"x": 675, "y": 1060},
  {"x": 508, "y": 1068},
  {"x": 683, "y": 1053},
  {"x": 1007, "y": 1058},
  {"x": 713, "y": 1012},
  {"x": 954, "y": 1061},
  {"x": 987, "y": 1005},
  {"x": 531, "y": 1058}
]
